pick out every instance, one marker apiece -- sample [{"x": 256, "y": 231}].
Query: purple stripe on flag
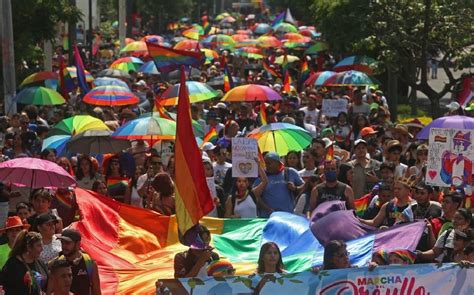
[{"x": 405, "y": 236}]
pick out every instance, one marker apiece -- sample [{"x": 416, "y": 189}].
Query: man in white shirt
[{"x": 310, "y": 111}]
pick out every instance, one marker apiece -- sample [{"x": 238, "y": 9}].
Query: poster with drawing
[
  {"x": 332, "y": 107},
  {"x": 450, "y": 157},
  {"x": 244, "y": 152}
]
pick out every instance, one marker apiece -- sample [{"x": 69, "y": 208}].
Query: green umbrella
[
  {"x": 39, "y": 96},
  {"x": 317, "y": 47},
  {"x": 77, "y": 124},
  {"x": 281, "y": 138},
  {"x": 286, "y": 28}
]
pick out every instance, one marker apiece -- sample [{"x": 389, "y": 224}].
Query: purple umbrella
[
  {"x": 454, "y": 122},
  {"x": 35, "y": 173}
]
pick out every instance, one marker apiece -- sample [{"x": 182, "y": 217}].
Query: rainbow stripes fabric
[
  {"x": 192, "y": 196},
  {"x": 362, "y": 204},
  {"x": 211, "y": 136},
  {"x": 168, "y": 59},
  {"x": 270, "y": 70},
  {"x": 263, "y": 114},
  {"x": 228, "y": 82},
  {"x": 80, "y": 72}
]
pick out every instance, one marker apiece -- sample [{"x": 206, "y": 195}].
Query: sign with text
[
  {"x": 450, "y": 157},
  {"x": 332, "y": 107},
  {"x": 244, "y": 153}
]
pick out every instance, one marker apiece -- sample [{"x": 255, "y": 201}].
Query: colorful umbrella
[
  {"x": 96, "y": 142},
  {"x": 357, "y": 62},
  {"x": 250, "y": 52},
  {"x": 147, "y": 127},
  {"x": 247, "y": 43},
  {"x": 309, "y": 33},
  {"x": 227, "y": 19},
  {"x": 219, "y": 41},
  {"x": 138, "y": 48},
  {"x": 197, "y": 127},
  {"x": 197, "y": 92},
  {"x": 127, "y": 64},
  {"x": 268, "y": 41},
  {"x": 290, "y": 58},
  {"x": 35, "y": 173},
  {"x": 115, "y": 74},
  {"x": 186, "y": 45},
  {"x": 453, "y": 122},
  {"x": 156, "y": 39},
  {"x": 149, "y": 68},
  {"x": 296, "y": 45},
  {"x": 317, "y": 47},
  {"x": 39, "y": 96},
  {"x": 262, "y": 28},
  {"x": 296, "y": 37},
  {"x": 210, "y": 54},
  {"x": 222, "y": 16},
  {"x": 240, "y": 37},
  {"x": 39, "y": 77},
  {"x": 285, "y": 28},
  {"x": 193, "y": 33},
  {"x": 107, "y": 81},
  {"x": 72, "y": 72},
  {"x": 281, "y": 138},
  {"x": 318, "y": 78},
  {"x": 350, "y": 78},
  {"x": 110, "y": 96},
  {"x": 243, "y": 32},
  {"x": 250, "y": 93}
]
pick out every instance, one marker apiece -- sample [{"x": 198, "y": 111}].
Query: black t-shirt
[
  {"x": 14, "y": 275},
  {"x": 433, "y": 210}
]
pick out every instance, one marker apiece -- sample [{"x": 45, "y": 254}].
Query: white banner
[{"x": 332, "y": 107}]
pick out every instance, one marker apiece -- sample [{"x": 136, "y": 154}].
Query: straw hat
[
  {"x": 402, "y": 129},
  {"x": 13, "y": 222}
]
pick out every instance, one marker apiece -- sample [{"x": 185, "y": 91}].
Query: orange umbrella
[
  {"x": 268, "y": 41},
  {"x": 240, "y": 37},
  {"x": 186, "y": 45},
  {"x": 295, "y": 37}
]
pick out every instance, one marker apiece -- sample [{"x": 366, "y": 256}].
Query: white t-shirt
[
  {"x": 220, "y": 171},
  {"x": 51, "y": 251},
  {"x": 246, "y": 209},
  {"x": 305, "y": 173},
  {"x": 314, "y": 114},
  {"x": 400, "y": 170}
]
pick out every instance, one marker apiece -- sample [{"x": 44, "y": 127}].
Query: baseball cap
[
  {"x": 44, "y": 218},
  {"x": 273, "y": 156},
  {"x": 70, "y": 235},
  {"x": 208, "y": 146},
  {"x": 453, "y": 106},
  {"x": 366, "y": 131},
  {"x": 220, "y": 105},
  {"x": 374, "y": 106},
  {"x": 141, "y": 83},
  {"x": 357, "y": 142}
]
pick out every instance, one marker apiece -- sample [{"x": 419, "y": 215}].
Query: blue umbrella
[
  {"x": 262, "y": 28},
  {"x": 454, "y": 122},
  {"x": 149, "y": 68},
  {"x": 107, "y": 81}
]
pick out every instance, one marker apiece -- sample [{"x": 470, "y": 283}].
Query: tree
[
  {"x": 159, "y": 13},
  {"x": 403, "y": 35},
  {"x": 299, "y": 9}
]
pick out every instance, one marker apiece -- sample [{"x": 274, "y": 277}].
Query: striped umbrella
[
  {"x": 268, "y": 41},
  {"x": 350, "y": 78},
  {"x": 110, "y": 96},
  {"x": 127, "y": 64},
  {"x": 250, "y": 93},
  {"x": 72, "y": 72},
  {"x": 247, "y": 43},
  {"x": 317, "y": 47},
  {"x": 240, "y": 37},
  {"x": 286, "y": 28},
  {"x": 137, "y": 48},
  {"x": 107, "y": 81},
  {"x": 210, "y": 54},
  {"x": 219, "y": 41},
  {"x": 114, "y": 73},
  {"x": 147, "y": 127},
  {"x": 186, "y": 45},
  {"x": 356, "y": 62},
  {"x": 262, "y": 28},
  {"x": 318, "y": 78},
  {"x": 197, "y": 92},
  {"x": 39, "y": 96},
  {"x": 156, "y": 39},
  {"x": 39, "y": 77},
  {"x": 149, "y": 68}
]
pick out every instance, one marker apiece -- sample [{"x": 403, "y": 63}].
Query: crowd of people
[{"x": 360, "y": 153}]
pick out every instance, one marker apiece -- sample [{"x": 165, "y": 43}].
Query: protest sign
[
  {"x": 244, "y": 152},
  {"x": 450, "y": 157},
  {"x": 332, "y": 107}
]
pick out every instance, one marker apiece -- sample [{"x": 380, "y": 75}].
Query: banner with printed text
[{"x": 421, "y": 279}]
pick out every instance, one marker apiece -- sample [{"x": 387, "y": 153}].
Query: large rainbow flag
[{"x": 167, "y": 59}]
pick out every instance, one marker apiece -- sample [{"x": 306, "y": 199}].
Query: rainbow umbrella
[
  {"x": 72, "y": 72},
  {"x": 247, "y": 43},
  {"x": 268, "y": 41},
  {"x": 186, "y": 45},
  {"x": 317, "y": 47},
  {"x": 147, "y": 127},
  {"x": 210, "y": 54},
  {"x": 61, "y": 133},
  {"x": 114, "y": 73},
  {"x": 137, "y": 48},
  {"x": 39, "y": 96},
  {"x": 262, "y": 28},
  {"x": 127, "y": 64},
  {"x": 286, "y": 28},
  {"x": 240, "y": 37},
  {"x": 110, "y": 96},
  {"x": 296, "y": 37},
  {"x": 39, "y": 77},
  {"x": 296, "y": 45},
  {"x": 290, "y": 58},
  {"x": 309, "y": 33},
  {"x": 318, "y": 78},
  {"x": 281, "y": 138},
  {"x": 250, "y": 93},
  {"x": 149, "y": 68},
  {"x": 356, "y": 62},
  {"x": 219, "y": 41},
  {"x": 156, "y": 39},
  {"x": 350, "y": 78},
  {"x": 107, "y": 81},
  {"x": 197, "y": 127},
  {"x": 197, "y": 92},
  {"x": 192, "y": 33},
  {"x": 243, "y": 32},
  {"x": 222, "y": 16},
  {"x": 250, "y": 52},
  {"x": 227, "y": 19}
]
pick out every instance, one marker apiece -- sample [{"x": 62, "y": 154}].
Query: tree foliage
[
  {"x": 299, "y": 9},
  {"x": 162, "y": 12},
  {"x": 402, "y": 35}
]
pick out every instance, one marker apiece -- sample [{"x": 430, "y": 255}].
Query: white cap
[
  {"x": 220, "y": 105},
  {"x": 141, "y": 83},
  {"x": 360, "y": 140},
  {"x": 208, "y": 146},
  {"x": 453, "y": 106},
  {"x": 327, "y": 142}
]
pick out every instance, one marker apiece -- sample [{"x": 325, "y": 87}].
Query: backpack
[{"x": 89, "y": 265}]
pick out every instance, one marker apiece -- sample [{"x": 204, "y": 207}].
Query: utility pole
[
  {"x": 122, "y": 20},
  {"x": 8, "y": 56},
  {"x": 91, "y": 32}
]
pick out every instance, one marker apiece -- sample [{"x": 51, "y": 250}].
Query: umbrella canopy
[
  {"x": 296, "y": 45},
  {"x": 149, "y": 68},
  {"x": 251, "y": 92},
  {"x": 136, "y": 48},
  {"x": 210, "y": 54},
  {"x": 290, "y": 58},
  {"x": 219, "y": 41},
  {"x": 114, "y": 73},
  {"x": 317, "y": 47},
  {"x": 197, "y": 92},
  {"x": 318, "y": 78},
  {"x": 281, "y": 138},
  {"x": 96, "y": 142},
  {"x": 197, "y": 127},
  {"x": 247, "y": 43},
  {"x": 227, "y": 19},
  {"x": 39, "y": 77},
  {"x": 39, "y": 96},
  {"x": 350, "y": 78},
  {"x": 222, "y": 16},
  {"x": 176, "y": 75},
  {"x": 240, "y": 37},
  {"x": 107, "y": 81},
  {"x": 357, "y": 62},
  {"x": 296, "y": 37},
  {"x": 186, "y": 45},
  {"x": 35, "y": 173},
  {"x": 194, "y": 33},
  {"x": 285, "y": 28},
  {"x": 156, "y": 39},
  {"x": 455, "y": 122},
  {"x": 268, "y": 41},
  {"x": 127, "y": 64},
  {"x": 147, "y": 127},
  {"x": 110, "y": 96},
  {"x": 262, "y": 28},
  {"x": 72, "y": 72}
]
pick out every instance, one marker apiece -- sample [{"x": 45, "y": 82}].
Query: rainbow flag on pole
[
  {"x": 228, "y": 82},
  {"x": 211, "y": 136},
  {"x": 192, "y": 196},
  {"x": 80, "y": 71},
  {"x": 270, "y": 70},
  {"x": 168, "y": 59}
]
